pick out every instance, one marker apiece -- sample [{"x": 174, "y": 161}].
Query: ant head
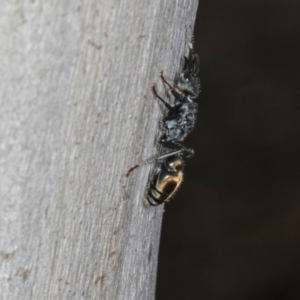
[{"x": 189, "y": 82}]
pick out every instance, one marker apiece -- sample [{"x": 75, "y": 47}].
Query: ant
[{"x": 176, "y": 125}]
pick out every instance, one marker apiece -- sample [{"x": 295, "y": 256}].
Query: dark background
[{"x": 233, "y": 229}]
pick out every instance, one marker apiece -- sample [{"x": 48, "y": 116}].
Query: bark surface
[{"x": 76, "y": 111}]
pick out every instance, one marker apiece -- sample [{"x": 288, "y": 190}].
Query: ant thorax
[{"x": 180, "y": 121}]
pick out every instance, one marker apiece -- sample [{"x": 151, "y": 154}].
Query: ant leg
[
  {"x": 124, "y": 193},
  {"x": 177, "y": 149},
  {"x": 161, "y": 99},
  {"x": 131, "y": 169},
  {"x": 169, "y": 154},
  {"x": 165, "y": 81},
  {"x": 144, "y": 162},
  {"x": 188, "y": 152},
  {"x": 183, "y": 152},
  {"x": 177, "y": 93}
]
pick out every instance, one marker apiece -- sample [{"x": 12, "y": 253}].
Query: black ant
[{"x": 176, "y": 125}]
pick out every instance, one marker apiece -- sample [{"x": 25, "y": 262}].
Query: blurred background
[{"x": 233, "y": 229}]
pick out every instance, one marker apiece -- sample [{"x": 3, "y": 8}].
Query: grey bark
[{"x": 76, "y": 111}]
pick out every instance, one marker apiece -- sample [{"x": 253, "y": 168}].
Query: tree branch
[{"x": 76, "y": 112}]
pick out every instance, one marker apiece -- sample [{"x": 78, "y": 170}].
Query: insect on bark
[{"x": 177, "y": 123}]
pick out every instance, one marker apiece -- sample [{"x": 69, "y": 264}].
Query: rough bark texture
[{"x": 76, "y": 111}]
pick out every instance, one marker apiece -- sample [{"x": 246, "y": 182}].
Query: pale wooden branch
[{"x": 76, "y": 111}]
